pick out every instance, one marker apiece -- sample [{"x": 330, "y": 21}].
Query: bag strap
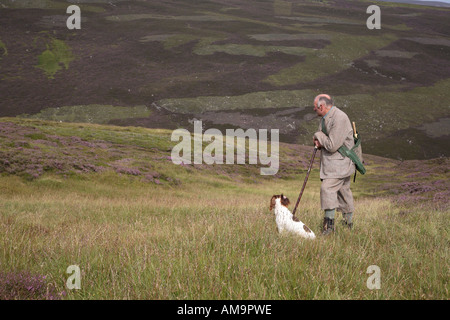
[
  {"x": 346, "y": 152},
  {"x": 357, "y": 142}
]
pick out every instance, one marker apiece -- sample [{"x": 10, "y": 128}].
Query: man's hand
[{"x": 317, "y": 144}]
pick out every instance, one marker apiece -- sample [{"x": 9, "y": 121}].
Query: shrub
[{"x": 25, "y": 286}]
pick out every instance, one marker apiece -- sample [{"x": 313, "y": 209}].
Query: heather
[
  {"x": 29, "y": 152},
  {"x": 109, "y": 200},
  {"x": 26, "y": 286},
  {"x": 416, "y": 183}
]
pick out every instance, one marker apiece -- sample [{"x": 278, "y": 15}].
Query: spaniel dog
[{"x": 286, "y": 221}]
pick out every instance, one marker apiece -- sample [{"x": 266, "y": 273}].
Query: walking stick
[
  {"x": 356, "y": 136},
  {"x": 306, "y": 179}
]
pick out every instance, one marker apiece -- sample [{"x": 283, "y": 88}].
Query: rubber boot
[
  {"x": 328, "y": 226},
  {"x": 348, "y": 225},
  {"x": 347, "y": 222}
]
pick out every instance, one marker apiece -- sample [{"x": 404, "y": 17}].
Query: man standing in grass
[{"x": 335, "y": 130}]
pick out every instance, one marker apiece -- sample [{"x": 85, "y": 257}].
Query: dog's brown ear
[
  {"x": 272, "y": 201},
  {"x": 285, "y": 201}
]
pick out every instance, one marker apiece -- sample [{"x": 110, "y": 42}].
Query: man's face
[{"x": 320, "y": 111}]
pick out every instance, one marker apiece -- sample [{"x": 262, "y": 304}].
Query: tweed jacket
[{"x": 339, "y": 130}]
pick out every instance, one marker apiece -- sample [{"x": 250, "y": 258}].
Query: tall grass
[{"x": 134, "y": 240}]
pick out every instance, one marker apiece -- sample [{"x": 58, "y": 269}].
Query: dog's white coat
[{"x": 285, "y": 222}]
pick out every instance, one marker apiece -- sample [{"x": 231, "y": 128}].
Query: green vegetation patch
[
  {"x": 206, "y": 46},
  {"x": 169, "y": 40},
  {"x": 333, "y": 58},
  {"x": 388, "y": 112},
  {"x": 268, "y": 99},
  {"x": 250, "y": 50},
  {"x": 94, "y": 113},
  {"x": 360, "y": 106},
  {"x": 57, "y": 55},
  {"x": 155, "y": 37},
  {"x": 141, "y": 16},
  {"x": 289, "y": 36},
  {"x": 132, "y": 136},
  {"x": 327, "y": 20},
  {"x": 282, "y": 8}
]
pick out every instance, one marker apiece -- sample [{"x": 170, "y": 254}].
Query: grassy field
[
  {"x": 99, "y": 114},
  {"x": 84, "y": 181},
  {"x": 211, "y": 234}
]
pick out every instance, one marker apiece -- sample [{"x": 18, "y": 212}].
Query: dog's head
[{"x": 283, "y": 200}]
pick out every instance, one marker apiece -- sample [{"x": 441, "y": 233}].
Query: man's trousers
[{"x": 336, "y": 194}]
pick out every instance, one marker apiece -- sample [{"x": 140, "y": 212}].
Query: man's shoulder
[
  {"x": 338, "y": 110},
  {"x": 338, "y": 113}
]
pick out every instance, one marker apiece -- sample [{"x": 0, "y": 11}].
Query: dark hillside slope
[{"x": 252, "y": 64}]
